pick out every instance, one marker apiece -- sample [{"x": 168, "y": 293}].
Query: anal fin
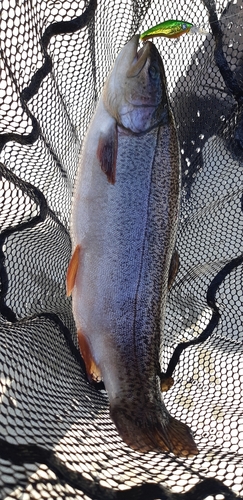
[
  {"x": 92, "y": 370},
  {"x": 72, "y": 270}
]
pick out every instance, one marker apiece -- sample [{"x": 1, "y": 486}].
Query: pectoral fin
[
  {"x": 92, "y": 370},
  {"x": 72, "y": 270},
  {"x": 107, "y": 152}
]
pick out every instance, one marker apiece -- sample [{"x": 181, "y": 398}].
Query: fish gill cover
[{"x": 56, "y": 437}]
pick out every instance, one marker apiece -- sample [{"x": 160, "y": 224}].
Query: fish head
[{"x": 135, "y": 93}]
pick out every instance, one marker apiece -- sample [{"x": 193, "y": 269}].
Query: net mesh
[{"x": 56, "y": 436}]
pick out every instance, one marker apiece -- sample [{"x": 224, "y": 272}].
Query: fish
[{"x": 123, "y": 227}]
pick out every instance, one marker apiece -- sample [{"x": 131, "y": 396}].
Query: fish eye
[
  {"x": 183, "y": 26},
  {"x": 153, "y": 71}
]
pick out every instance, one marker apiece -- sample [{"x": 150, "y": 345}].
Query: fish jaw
[{"x": 135, "y": 92}]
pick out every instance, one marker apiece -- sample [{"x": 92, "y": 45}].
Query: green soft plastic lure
[{"x": 171, "y": 29}]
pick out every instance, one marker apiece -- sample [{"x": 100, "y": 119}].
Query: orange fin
[
  {"x": 166, "y": 382},
  {"x": 107, "y": 152},
  {"x": 72, "y": 270},
  {"x": 93, "y": 371},
  {"x": 181, "y": 439}
]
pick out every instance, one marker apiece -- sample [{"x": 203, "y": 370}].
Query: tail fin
[
  {"x": 180, "y": 437},
  {"x": 152, "y": 433}
]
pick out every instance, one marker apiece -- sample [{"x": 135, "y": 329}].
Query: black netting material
[{"x": 57, "y": 439}]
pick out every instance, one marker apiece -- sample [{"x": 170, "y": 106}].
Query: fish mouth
[
  {"x": 144, "y": 78},
  {"x": 140, "y": 57},
  {"x": 143, "y": 98}
]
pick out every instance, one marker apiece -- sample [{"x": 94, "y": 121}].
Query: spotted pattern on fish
[{"x": 126, "y": 226}]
